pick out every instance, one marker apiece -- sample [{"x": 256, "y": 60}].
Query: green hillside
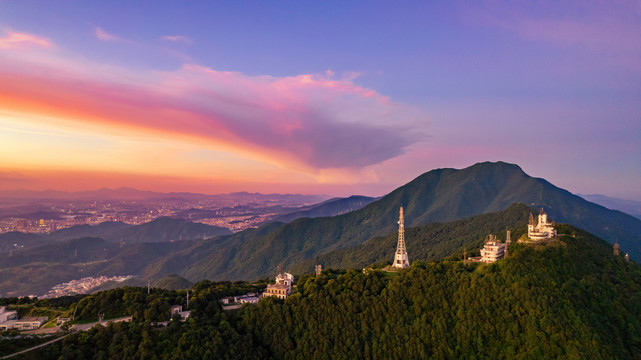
[
  {"x": 173, "y": 282},
  {"x": 331, "y": 207},
  {"x": 430, "y": 242},
  {"x": 571, "y": 298},
  {"x": 167, "y": 229},
  {"x": 437, "y": 196}
]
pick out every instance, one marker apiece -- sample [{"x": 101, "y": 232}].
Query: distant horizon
[
  {"x": 220, "y": 97},
  {"x": 320, "y": 194}
]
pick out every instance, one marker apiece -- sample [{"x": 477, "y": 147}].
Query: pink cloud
[
  {"x": 179, "y": 39},
  {"x": 309, "y": 120},
  {"x": 105, "y": 36},
  {"x": 18, "y": 39}
]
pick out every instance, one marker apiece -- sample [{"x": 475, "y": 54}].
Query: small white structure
[
  {"x": 401, "y": 259},
  {"x": 248, "y": 299},
  {"x": 541, "y": 231},
  {"x": 178, "y": 309},
  {"x": 493, "y": 250},
  {"x": 283, "y": 286}
]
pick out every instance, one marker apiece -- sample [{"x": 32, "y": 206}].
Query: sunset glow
[{"x": 206, "y": 106}]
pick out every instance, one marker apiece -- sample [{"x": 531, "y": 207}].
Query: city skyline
[{"x": 335, "y": 99}]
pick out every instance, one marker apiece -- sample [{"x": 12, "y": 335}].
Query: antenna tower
[{"x": 400, "y": 257}]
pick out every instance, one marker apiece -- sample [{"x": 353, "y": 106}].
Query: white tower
[{"x": 400, "y": 258}]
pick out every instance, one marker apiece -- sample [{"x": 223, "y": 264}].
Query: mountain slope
[
  {"x": 631, "y": 207},
  {"x": 430, "y": 242},
  {"x": 566, "y": 299},
  {"x": 437, "y": 196},
  {"x": 102, "y": 230},
  {"x": 331, "y": 207},
  {"x": 167, "y": 229}
]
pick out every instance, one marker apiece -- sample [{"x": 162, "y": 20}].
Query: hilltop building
[
  {"x": 493, "y": 250},
  {"x": 400, "y": 257},
  {"x": 541, "y": 231},
  {"x": 283, "y": 286},
  {"x": 616, "y": 248},
  {"x": 178, "y": 309}
]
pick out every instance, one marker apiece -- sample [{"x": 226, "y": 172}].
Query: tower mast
[{"x": 400, "y": 257}]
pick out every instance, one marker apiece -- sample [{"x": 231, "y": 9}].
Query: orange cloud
[
  {"x": 306, "y": 125},
  {"x": 20, "y": 40}
]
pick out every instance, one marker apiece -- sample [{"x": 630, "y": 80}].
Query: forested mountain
[
  {"x": 430, "y": 242},
  {"x": 159, "y": 230},
  {"x": 103, "y": 230},
  {"x": 331, "y": 207},
  {"x": 168, "y": 229},
  {"x": 41, "y": 261},
  {"x": 570, "y": 298},
  {"x": 437, "y": 196}
]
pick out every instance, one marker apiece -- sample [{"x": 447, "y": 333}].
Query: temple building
[
  {"x": 541, "y": 231},
  {"x": 400, "y": 257},
  {"x": 493, "y": 250},
  {"x": 283, "y": 286}
]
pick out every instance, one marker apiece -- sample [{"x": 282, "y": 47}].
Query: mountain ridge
[{"x": 439, "y": 195}]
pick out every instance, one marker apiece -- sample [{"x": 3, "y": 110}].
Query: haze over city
[{"x": 312, "y": 97}]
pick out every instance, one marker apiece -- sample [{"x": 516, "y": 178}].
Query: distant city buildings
[
  {"x": 81, "y": 286},
  {"x": 232, "y": 214}
]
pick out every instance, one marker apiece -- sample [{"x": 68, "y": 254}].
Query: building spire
[{"x": 400, "y": 257}]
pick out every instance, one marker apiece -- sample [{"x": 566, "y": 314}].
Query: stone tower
[
  {"x": 616, "y": 248},
  {"x": 400, "y": 258}
]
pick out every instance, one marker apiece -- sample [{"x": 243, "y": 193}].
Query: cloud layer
[
  {"x": 14, "y": 40},
  {"x": 314, "y": 121}
]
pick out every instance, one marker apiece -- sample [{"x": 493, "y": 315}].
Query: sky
[{"x": 334, "y": 97}]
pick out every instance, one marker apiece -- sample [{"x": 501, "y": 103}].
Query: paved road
[{"x": 83, "y": 327}]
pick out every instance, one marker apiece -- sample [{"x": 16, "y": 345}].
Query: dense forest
[{"x": 570, "y": 298}]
